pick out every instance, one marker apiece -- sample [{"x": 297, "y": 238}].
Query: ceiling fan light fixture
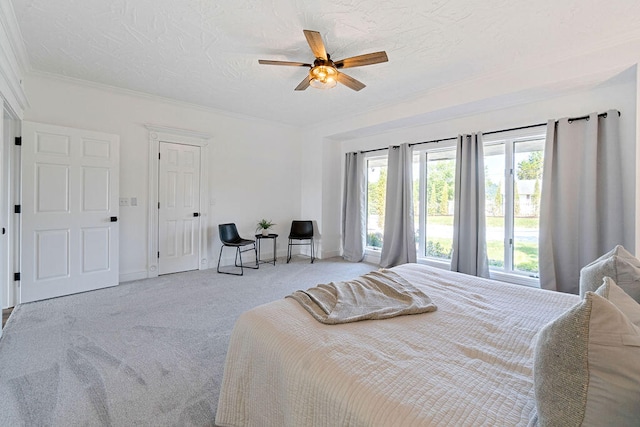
[
  {"x": 323, "y": 77},
  {"x": 323, "y": 85},
  {"x": 324, "y": 74}
]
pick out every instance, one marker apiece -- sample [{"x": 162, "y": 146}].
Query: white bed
[{"x": 467, "y": 364}]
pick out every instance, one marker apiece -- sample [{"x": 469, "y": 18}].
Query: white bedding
[{"x": 467, "y": 364}]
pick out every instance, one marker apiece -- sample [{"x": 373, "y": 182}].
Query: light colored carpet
[{"x": 149, "y": 352}]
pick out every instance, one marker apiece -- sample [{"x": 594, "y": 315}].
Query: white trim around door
[
  {"x": 9, "y": 197},
  {"x": 159, "y": 134}
]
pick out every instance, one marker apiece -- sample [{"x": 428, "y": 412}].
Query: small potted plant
[{"x": 264, "y": 225}]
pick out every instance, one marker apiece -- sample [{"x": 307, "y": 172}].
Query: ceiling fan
[{"x": 323, "y": 73}]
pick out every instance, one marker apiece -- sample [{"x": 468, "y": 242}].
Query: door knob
[
  {"x": 114, "y": 219},
  {"x": 196, "y": 214}
]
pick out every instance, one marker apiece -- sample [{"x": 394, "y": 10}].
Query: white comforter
[{"x": 467, "y": 364}]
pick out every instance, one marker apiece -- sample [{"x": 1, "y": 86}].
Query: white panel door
[
  {"x": 69, "y": 211},
  {"x": 179, "y": 208}
]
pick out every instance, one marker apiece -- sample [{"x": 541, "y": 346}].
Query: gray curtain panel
[
  {"x": 581, "y": 204},
  {"x": 353, "y": 208},
  {"x": 469, "y": 225},
  {"x": 399, "y": 241}
]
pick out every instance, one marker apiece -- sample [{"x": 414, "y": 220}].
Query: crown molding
[
  {"x": 13, "y": 61},
  {"x": 9, "y": 22},
  {"x": 153, "y": 98}
]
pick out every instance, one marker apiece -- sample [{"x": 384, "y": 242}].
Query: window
[
  {"x": 495, "y": 205},
  {"x": 376, "y": 193},
  {"x": 513, "y": 180},
  {"x": 434, "y": 189}
]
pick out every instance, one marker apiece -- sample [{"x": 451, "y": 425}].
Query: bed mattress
[{"x": 467, "y": 364}]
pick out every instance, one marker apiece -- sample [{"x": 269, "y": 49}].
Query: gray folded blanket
[{"x": 377, "y": 295}]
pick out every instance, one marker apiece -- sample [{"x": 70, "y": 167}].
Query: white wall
[
  {"x": 254, "y": 166},
  {"x": 517, "y": 96},
  {"x": 618, "y": 92},
  {"x": 261, "y": 169},
  {"x": 12, "y": 63},
  {"x": 13, "y": 100}
]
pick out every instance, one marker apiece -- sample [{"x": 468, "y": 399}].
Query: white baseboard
[
  {"x": 373, "y": 257},
  {"x": 228, "y": 257},
  {"x": 129, "y": 277},
  {"x": 329, "y": 254}
]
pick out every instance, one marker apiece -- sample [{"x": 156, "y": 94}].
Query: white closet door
[
  {"x": 179, "y": 210},
  {"x": 69, "y": 211}
]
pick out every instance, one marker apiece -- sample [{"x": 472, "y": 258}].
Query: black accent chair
[
  {"x": 301, "y": 231},
  {"x": 229, "y": 237}
]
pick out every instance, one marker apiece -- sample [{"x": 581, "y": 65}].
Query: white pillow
[
  {"x": 586, "y": 367},
  {"x": 618, "y": 264},
  {"x": 618, "y": 297}
]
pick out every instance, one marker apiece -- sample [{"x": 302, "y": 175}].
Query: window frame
[
  {"x": 423, "y": 150},
  {"x": 509, "y": 138},
  {"x": 374, "y": 155}
]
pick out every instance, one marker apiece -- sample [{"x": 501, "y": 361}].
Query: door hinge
[
  {"x": 158, "y": 205},
  {"x": 158, "y": 254},
  {"x": 16, "y": 277},
  {"x": 18, "y": 140},
  {"x": 17, "y": 209},
  {"x": 158, "y": 156}
]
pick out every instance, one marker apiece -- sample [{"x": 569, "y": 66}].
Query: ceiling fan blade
[
  {"x": 360, "y": 60},
  {"x": 304, "y": 84},
  {"x": 350, "y": 81},
  {"x": 292, "y": 64},
  {"x": 315, "y": 43}
]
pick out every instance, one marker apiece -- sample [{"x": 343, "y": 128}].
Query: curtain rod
[{"x": 572, "y": 119}]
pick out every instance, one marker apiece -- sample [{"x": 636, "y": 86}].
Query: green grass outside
[
  {"x": 492, "y": 221},
  {"x": 525, "y": 254}
]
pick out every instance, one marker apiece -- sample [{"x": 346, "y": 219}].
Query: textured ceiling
[{"x": 206, "y": 52}]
